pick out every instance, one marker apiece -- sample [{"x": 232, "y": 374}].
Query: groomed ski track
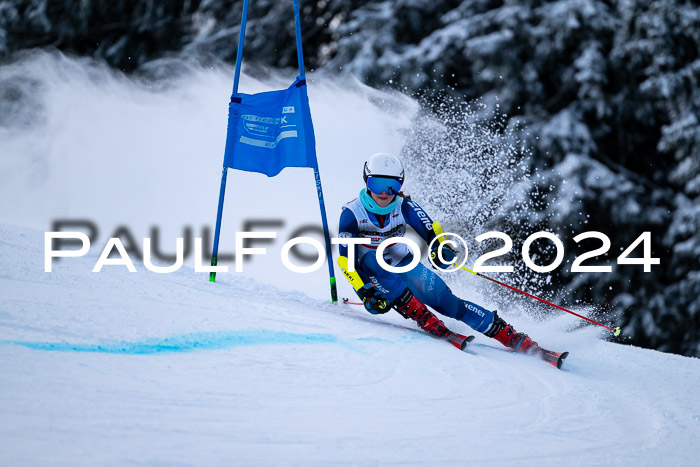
[{"x": 119, "y": 368}]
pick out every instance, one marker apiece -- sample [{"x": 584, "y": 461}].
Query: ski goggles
[{"x": 378, "y": 184}]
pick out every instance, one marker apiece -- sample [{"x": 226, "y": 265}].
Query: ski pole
[
  {"x": 348, "y": 302},
  {"x": 437, "y": 228}
]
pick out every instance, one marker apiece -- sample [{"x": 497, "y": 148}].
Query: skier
[{"x": 382, "y": 211}]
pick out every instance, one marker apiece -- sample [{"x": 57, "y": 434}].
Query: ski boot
[
  {"x": 410, "y": 307},
  {"x": 506, "y": 335}
]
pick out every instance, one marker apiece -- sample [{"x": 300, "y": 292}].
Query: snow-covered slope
[
  {"x": 258, "y": 368},
  {"x": 139, "y": 368}
]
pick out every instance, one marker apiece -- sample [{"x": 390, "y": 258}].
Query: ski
[
  {"x": 554, "y": 358},
  {"x": 458, "y": 340}
]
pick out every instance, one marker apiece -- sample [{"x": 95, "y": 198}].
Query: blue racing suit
[{"x": 356, "y": 221}]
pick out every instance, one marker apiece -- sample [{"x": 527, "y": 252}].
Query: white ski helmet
[{"x": 383, "y": 164}]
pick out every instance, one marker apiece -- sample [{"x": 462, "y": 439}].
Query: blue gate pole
[
  {"x": 317, "y": 175},
  {"x": 239, "y": 52},
  {"x": 222, "y": 190},
  {"x": 217, "y": 231},
  {"x": 329, "y": 253},
  {"x": 297, "y": 26}
]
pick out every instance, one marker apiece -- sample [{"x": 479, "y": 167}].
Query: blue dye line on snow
[{"x": 185, "y": 343}]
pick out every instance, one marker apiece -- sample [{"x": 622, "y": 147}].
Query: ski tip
[
  {"x": 554, "y": 358},
  {"x": 560, "y": 360},
  {"x": 617, "y": 331},
  {"x": 466, "y": 342}
]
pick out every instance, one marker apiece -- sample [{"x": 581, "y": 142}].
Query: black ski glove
[
  {"x": 448, "y": 253},
  {"x": 374, "y": 301}
]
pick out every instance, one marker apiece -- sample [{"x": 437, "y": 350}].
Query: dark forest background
[{"x": 608, "y": 92}]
